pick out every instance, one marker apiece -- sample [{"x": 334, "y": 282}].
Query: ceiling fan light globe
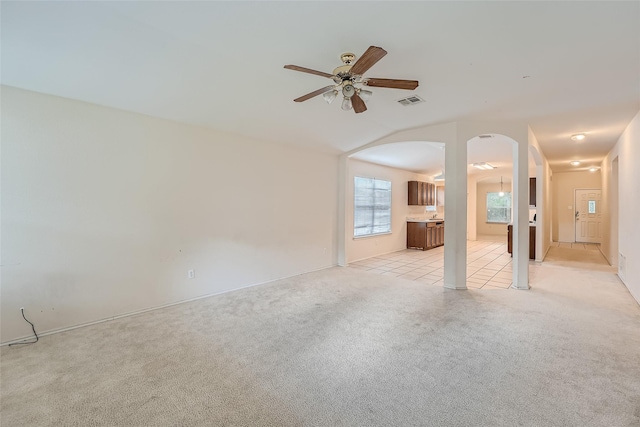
[
  {"x": 346, "y": 104},
  {"x": 330, "y": 96},
  {"x": 348, "y": 90},
  {"x": 365, "y": 94}
]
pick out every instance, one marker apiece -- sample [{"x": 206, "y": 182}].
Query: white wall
[
  {"x": 366, "y": 247},
  {"x": 564, "y": 186},
  {"x": 627, "y": 153},
  {"x": 610, "y": 207},
  {"x": 104, "y": 211}
]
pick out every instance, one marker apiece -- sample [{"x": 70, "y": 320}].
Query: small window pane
[
  {"x": 592, "y": 206},
  {"x": 499, "y": 207},
  {"x": 372, "y": 206}
]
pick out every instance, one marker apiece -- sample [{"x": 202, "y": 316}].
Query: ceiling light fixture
[
  {"x": 483, "y": 166},
  {"x": 575, "y": 163},
  {"x": 594, "y": 169},
  {"x": 348, "y": 79},
  {"x": 330, "y": 96},
  {"x": 365, "y": 94},
  {"x": 501, "y": 193},
  {"x": 578, "y": 137}
]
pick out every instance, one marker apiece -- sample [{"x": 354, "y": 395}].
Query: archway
[
  {"x": 397, "y": 163},
  {"x": 499, "y": 155},
  {"x": 455, "y": 136}
]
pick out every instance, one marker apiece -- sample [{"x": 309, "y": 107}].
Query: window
[
  {"x": 372, "y": 207},
  {"x": 499, "y": 208}
]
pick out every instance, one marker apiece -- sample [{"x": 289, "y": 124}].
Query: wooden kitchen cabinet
[
  {"x": 415, "y": 195},
  {"x": 532, "y": 191},
  {"x": 421, "y": 193},
  {"x": 425, "y": 235},
  {"x": 417, "y": 235},
  {"x": 440, "y": 234},
  {"x": 532, "y": 241},
  {"x": 431, "y": 194}
]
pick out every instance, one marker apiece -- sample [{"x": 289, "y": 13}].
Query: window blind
[{"x": 372, "y": 206}]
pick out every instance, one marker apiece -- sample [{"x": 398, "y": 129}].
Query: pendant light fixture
[{"x": 501, "y": 193}]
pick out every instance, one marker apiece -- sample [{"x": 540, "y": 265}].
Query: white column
[
  {"x": 520, "y": 215},
  {"x": 455, "y": 215}
]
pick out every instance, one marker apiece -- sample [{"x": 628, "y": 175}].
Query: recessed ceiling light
[
  {"x": 575, "y": 163},
  {"x": 483, "y": 166},
  {"x": 593, "y": 169},
  {"x": 578, "y": 137}
]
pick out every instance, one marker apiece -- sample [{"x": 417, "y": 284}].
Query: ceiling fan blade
[
  {"x": 314, "y": 93},
  {"x": 367, "y": 60},
  {"x": 358, "y": 104},
  {"x": 308, "y": 70},
  {"x": 392, "y": 83}
]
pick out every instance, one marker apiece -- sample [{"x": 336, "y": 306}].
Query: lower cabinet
[
  {"x": 425, "y": 235},
  {"x": 532, "y": 240}
]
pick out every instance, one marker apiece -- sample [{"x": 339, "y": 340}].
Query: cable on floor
[{"x": 33, "y": 328}]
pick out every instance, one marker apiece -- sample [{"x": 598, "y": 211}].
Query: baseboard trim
[
  {"x": 605, "y": 257},
  {"x": 159, "y": 307}
]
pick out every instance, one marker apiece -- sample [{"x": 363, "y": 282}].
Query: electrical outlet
[{"x": 191, "y": 274}]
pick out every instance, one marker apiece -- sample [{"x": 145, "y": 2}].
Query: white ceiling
[{"x": 564, "y": 67}]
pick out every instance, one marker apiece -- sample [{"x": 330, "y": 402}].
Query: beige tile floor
[{"x": 488, "y": 264}]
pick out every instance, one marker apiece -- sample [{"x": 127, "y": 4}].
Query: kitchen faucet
[{"x": 435, "y": 215}]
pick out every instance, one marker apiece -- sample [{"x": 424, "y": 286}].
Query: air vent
[
  {"x": 413, "y": 99},
  {"x": 485, "y": 136}
]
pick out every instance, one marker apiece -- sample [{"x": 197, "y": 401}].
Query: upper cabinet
[
  {"x": 415, "y": 194},
  {"x": 422, "y": 193},
  {"x": 532, "y": 191}
]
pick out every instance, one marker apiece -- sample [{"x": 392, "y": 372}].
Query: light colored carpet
[{"x": 343, "y": 347}]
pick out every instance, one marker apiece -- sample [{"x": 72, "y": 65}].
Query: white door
[{"x": 588, "y": 216}]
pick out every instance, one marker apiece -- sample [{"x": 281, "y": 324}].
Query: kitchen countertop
[
  {"x": 424, "y": 220},
  {"x": 531, "y": 224}
]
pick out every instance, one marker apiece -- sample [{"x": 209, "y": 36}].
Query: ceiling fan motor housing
[{"x": 347, "y": 58}]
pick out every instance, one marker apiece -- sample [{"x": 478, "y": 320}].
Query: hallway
[{"x": 578, "y": 255}]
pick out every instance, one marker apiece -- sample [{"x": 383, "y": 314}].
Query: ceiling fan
[{"x": 348, "y": 76}]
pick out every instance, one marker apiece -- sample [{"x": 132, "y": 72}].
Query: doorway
[{"x": 588, "y": 215}]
